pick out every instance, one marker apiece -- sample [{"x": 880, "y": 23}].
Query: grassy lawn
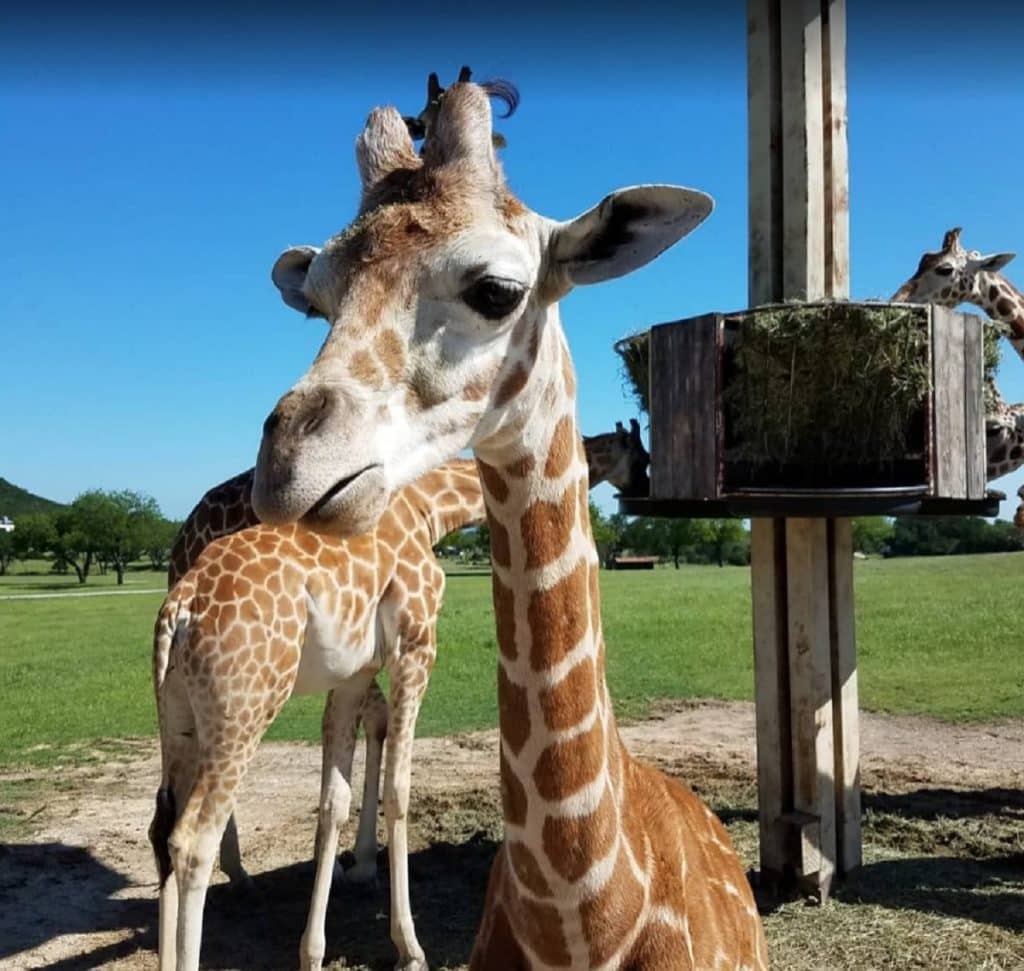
[
  {"x": 942, "y": 636},
  {"x": 34, "y": 576}
]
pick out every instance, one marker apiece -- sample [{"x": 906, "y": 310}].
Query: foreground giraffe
[
  {"x": 953, "y": 276},
  {"x": 443, "y": 299},
  {"x": 218, "y": 540}
]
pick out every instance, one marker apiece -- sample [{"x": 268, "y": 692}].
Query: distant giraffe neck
[
  {"x": 561, "y": 761},
  {"x": 1002, "y": 301}
]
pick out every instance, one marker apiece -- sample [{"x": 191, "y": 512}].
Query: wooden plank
[
  {"x": 803, "y": 175},
  {"x": 974, "y": 405},
  {"x": 764, "y": 168},
  {"x": 810, "y": 687},
  {"x": 771, "y": 693},
  {"x": 950, "y": 432},
  {"x": 845, "y": 712},
  {"x": 836, "y": 163},
  {"x": 683, "y": 403}
]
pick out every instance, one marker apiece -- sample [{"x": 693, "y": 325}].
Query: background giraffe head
[
  {"x": 442, "y": 303},
  {"x": 952, "y": 275}
]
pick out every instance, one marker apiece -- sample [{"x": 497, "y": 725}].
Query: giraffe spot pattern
[
  {"x": 561, "y": 448},
  {"x": 513, "y": 712},
  {"x": 493, "y": 482},
  {"x": 612, "y": 911},
  {"x": 569, "y": 701},
  {"x": 542, "y": 926},
  {"x": 573, "y": 843},
  {"x": 556, "y": 623},
  {"x": 564, "y": 768},
  {"x": 511, "y": 386},
  {"x": 501, "y": 552},
  {"x": 513, "y": 793},
  {"x": 521, "y": 468},
  {"x": 527, "y": 870},
  {"x": 505, "y": 617},
  {"x": 546, "y": 529}
]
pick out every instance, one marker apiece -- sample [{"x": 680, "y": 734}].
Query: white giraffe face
[{"x": 437, "y": 299}]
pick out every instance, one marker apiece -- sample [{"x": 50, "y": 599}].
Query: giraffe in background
[
  {"x": 952, "y": 276},
  {"x": 448, "y": 287}
]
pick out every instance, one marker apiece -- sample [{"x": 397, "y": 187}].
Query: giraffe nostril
[
  {"x": 310, "y": 425},
  {"x": 318, "y": 410}
]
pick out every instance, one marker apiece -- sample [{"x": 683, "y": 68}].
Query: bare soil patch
[{"x": 942, "y": 888}]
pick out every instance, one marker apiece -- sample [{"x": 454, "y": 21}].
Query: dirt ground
[{"x": 942, "y": 885}]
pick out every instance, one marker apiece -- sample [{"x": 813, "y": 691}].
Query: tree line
[
  {"x": 108, "y": 530},
  {"x": 100, "y": 530}
]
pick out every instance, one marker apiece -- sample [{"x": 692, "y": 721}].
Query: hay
[
  {"x": 634, "y": 369},
  {"x": 826, "y": 371},
  {"x": 826, "y": 385}
]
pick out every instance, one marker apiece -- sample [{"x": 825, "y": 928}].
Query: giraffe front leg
[
  {"x": 375, "y": 725},
  {"x": 341, "y": 717},
  {"x": 193, "y": 849},
  {"x": 409, "y": 679}
]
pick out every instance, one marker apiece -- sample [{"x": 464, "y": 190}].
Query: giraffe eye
[
  {"x": 493, "y": 297},
  {"x": 944, "y": 270}
]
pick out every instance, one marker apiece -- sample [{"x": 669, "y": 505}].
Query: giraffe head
[
  {"x": 442, "y": 303},
  {"x": 620, "y": 458},
  {"x": 950, "y": 276}
]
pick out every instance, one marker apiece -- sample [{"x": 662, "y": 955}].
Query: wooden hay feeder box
[{"x": 827, "y": 399}]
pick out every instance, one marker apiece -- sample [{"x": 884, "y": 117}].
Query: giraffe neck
[
  {"x": 1002, "y": 301},
  {"x": 561, "y": 760}
]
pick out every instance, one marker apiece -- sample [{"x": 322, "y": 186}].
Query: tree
[
  {"x": 33, "y": 535},
  {"x": 607, "y": 532},
  {"x": 681, "y": 538},
  {"x": 69, "y": 544},
  {"x": 158, "y": 541},
  {"x": 946, "y": 535},
  {"x": 726, "y": 541},
  {"x": 116, "y": 526},
  {"x": 6, "y": 550},
  {"x": 872, "y": 535}
]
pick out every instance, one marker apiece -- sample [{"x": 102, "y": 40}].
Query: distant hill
[{"x": 15, "y": 501}]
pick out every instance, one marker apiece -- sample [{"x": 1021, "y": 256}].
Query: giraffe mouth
[{"x": 320, "y": 506}]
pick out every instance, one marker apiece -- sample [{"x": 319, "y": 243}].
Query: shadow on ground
[{"x": 257, "y": 929}]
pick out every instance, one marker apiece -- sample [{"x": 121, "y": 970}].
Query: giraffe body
[
  {"x": 266, "y": 612},
  {"x": 443, "y": 298}
]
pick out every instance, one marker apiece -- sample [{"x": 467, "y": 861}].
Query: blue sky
[{"x": 155, "y": 163}]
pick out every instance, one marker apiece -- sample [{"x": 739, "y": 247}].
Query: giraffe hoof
[{"x": 413, "y": 964}]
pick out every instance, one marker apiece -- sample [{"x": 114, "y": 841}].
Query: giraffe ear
[
  {"x": 990, "y": 263},
  {"x": 289, "y": 275},
  {"x": 626, "y": 230}
]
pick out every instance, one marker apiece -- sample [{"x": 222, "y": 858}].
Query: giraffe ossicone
[{"x": 443, "y": 303}]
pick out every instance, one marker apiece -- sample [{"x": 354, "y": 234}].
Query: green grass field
[{"x": 941, "y": 636}]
